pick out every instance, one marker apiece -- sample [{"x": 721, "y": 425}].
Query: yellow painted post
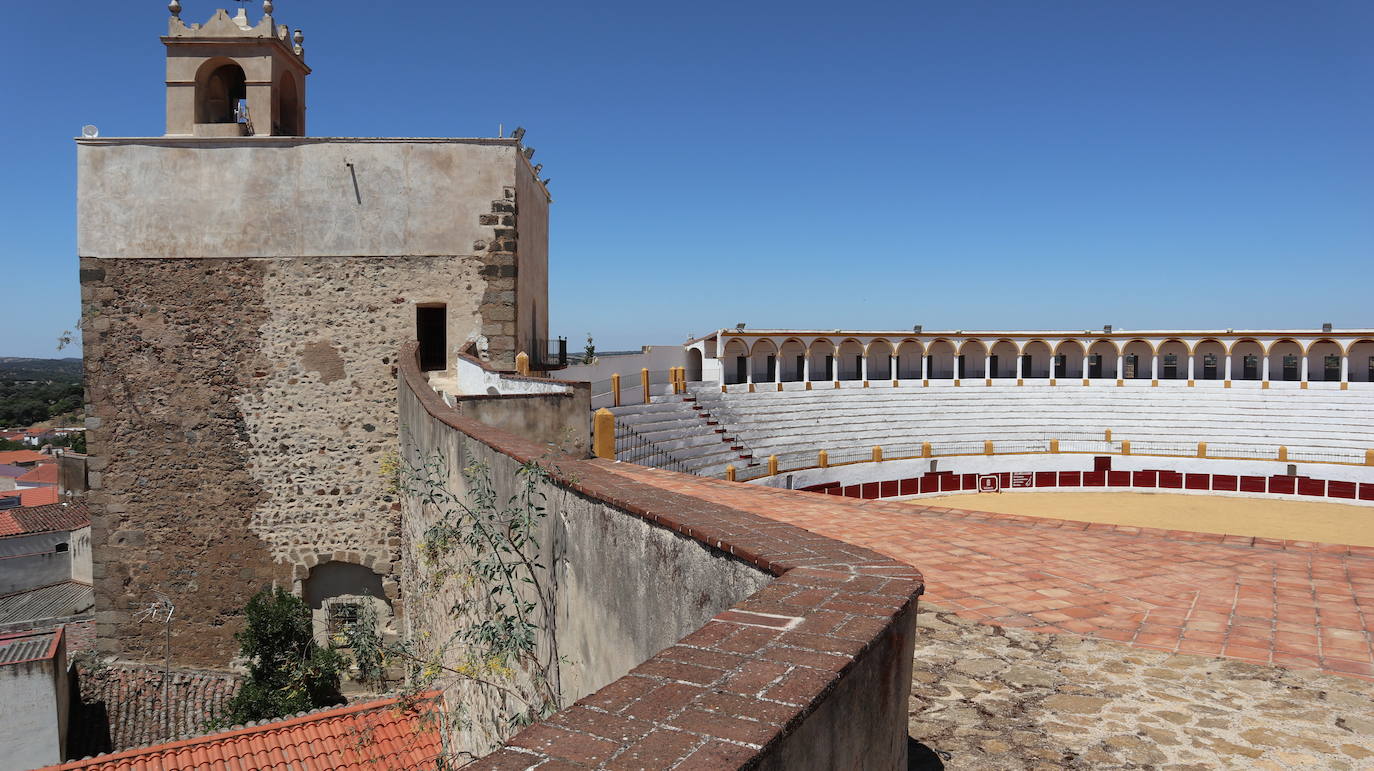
[
  {"x": 522, "y": 363},
  {"x": 1202, "y": 449},
  {"x": 1283, "y": 453},
  {"x": 729, "y": 473},
  {"x": 1108, "y": 435},
  {"x": 1125, "y": 446},
  {"x": 772, "y": 465},
  {"x": 603, "y": 434},
  {"x": 925, "y": 449},
  {"x": 987, "y": 446},
  {"x": 644, "y": 383},
  {"x": 823, "y": 458},
  {"x": 877, "y": 454},
  {"x": 615, "y": 387},
  {"x": 1054, "y": 445},
  {"x": 1369, "y": 457}
]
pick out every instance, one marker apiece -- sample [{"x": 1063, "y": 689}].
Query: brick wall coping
[{"x": 729, "y": 693}]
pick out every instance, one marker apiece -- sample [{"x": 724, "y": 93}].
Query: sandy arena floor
[{"x": 1288, "y": 520}]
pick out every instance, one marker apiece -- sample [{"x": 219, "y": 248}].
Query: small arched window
[{"x": 219, "y": 91}]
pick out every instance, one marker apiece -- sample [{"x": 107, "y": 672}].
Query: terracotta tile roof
[
  {"x": 43, "y": 474},
  {"x": 37, "y": 496},
  {"x": 380, "y": 735},
  {"x": 46, "y": 518},
  {"x": 121, "y": 705},
  {"x": 23, "y": 456}
]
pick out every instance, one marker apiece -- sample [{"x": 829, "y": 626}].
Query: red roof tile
[
  {"x": 44, "y": 474},
  {"x": 379, "y": 735},
  {"x": 23, "y": 456},
  {"x": 36, "y": 496},
  {"x": 44, "y": 519}
]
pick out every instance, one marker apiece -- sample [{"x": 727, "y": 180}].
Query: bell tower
[{"x": 231, "y": 78}]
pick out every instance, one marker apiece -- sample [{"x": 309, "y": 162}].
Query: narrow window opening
[
  {"x": 343, "y": 617},
  {"x": 62, "y": 547},
  {"x": 431, "y": 331}
]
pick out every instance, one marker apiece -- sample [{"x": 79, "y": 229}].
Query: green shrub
[{"x": 288, "y": 672}]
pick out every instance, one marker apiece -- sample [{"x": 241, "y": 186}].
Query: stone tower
[{"x": 245, "y": 290}]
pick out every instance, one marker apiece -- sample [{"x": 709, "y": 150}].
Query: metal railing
[{"x": 634, "y": 447}]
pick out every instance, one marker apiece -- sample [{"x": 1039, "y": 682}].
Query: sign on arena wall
[
  {"x": 989, "y": 483},
  {"x": 1022, "y": 479}
]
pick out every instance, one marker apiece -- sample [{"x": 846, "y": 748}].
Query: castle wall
[
  {"x": 532, "y": 276},
  {"x": 242, "y": 306},
  {"x": 288, "y": 196},
  {"x": 239, "y": 411},
  {"x": 664, "y": 612},
  {"x": 621, "y": 589}
]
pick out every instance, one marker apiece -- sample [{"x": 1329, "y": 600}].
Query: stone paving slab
[
  {"x": 991, "y": 697},
  {"x": 1289, "y": 604}
]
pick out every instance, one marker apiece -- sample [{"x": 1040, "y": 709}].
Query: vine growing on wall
[{"x": 484, "y": 550}]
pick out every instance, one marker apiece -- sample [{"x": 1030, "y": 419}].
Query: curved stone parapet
[{"x": 685, "y": 628}]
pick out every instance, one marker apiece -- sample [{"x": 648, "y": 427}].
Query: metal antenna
[{"x": 163, "y": 607}]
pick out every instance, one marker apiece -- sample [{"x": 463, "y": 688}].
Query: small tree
[
  {"x": 288, "y": 672},
  {"x": 589, "y": 353}
]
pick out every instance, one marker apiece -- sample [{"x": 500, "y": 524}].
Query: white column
[
  {"x": 777, "y": 366},
  {"x": 1191, "y": 360},
  {"x": 749, "y": 368},
  {"x": 1345, "y": 368},
  {"x": 1019, "y": 361},
  {"x": 806, "y": 366},
  {"x": 863, "y": 366},
  {"x": 1120, "y": 366},
  {"x": 1264, "y": 368},
  {"x": 1083, "y": 368},
  {"x": 925, "y": 366},
  {"x": 720, "y": 358},
  {"x": 892, "y": 366},
  {"x": 1154, "y": 366},
  {"x": 1303, "y": 364},
  {"x": 1228, "y": 367}
]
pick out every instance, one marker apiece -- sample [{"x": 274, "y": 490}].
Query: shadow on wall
[{"x": 919, "y": 757}]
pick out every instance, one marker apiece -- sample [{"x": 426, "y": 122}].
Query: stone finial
[
  {"x": 299, "y": 38},
  {"x": 175, "y": 8},
  {"x": 267, "y": 7}
]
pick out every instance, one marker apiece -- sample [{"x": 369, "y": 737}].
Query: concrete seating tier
[
  {"x": 848, "y": 422},
  {"x": 674, "y": 426}
]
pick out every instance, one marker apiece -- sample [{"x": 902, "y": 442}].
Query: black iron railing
[
  {"x": 550, "y": 354},
  {"x": 634, "y": 447}
]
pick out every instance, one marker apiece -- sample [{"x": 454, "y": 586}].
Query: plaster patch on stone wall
[
  {"x": 307, "y": 423},
  {"x": 322, "y": 358}
]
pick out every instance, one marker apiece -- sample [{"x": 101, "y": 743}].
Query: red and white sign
[
  {"x": 989, "y": 483},
  {"x": 1022, "y": 479}
]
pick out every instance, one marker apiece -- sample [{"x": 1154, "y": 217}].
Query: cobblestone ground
[{"x": 991, "y": 697}]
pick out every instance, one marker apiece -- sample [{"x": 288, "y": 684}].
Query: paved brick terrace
[{"x": 1287, "y": 603}]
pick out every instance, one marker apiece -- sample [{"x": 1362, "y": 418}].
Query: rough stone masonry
[{"x": 243, "y": 300}]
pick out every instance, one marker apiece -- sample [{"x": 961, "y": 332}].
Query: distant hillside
[
  {"x": 64, "y": 370},
  {"x": 37, "y": 390}
]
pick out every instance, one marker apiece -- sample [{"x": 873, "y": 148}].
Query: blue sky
[{"x": 970, "y": 164}]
